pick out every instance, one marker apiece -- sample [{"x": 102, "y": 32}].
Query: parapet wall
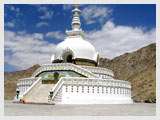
[{"x": 93, "y": 91}]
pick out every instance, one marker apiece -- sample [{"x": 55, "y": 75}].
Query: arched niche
[{"x": 67, "y": 56}]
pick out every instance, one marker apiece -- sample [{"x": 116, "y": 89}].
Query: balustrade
[
  {"x": 98, "y": 70},
  {"x": 64, "y": 66},
  {"x": 93, "y": 85},
  {"x": 25, "y": 83}
]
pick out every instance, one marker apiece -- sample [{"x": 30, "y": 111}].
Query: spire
[
  {"x": 76, "y": 24},
  {"x": 76, "y": 6}
]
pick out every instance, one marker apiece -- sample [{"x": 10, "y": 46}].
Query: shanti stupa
[{"x": 73, "y": 76}]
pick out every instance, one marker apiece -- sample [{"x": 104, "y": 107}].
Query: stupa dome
[{"x": 77, "y": 47}]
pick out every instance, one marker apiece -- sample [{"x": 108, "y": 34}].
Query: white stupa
[{"x": 73, "y": 76}]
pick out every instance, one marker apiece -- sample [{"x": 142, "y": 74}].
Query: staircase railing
[
  {"x": 84, "y": 70},
  {"x": 32, "y": 88},
  {"x": 56, "y": 88},
  {"x": 98, "y": 70}
]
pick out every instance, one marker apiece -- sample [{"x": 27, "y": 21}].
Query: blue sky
[{"x": 33, "y": 31}]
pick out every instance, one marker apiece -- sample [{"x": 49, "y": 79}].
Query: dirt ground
[{"x": 135, "y": 109}]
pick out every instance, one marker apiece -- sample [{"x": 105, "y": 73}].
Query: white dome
[{"x": 78, "y": 47}]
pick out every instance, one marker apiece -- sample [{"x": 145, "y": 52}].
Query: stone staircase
[
  {"x": 58, "y": 96},
  {"x": 40, "y": 95}
]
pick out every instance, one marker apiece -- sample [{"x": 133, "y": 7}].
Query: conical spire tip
[{"x": 76, "y": 6}]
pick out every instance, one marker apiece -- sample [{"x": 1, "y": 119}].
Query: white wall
[{"x": 88, "y": 95}]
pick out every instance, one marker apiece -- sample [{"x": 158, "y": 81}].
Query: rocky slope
[
  {"x": 144, "y": 86},
  {"x": 10, "y": 80},
  {"x": 138, "y": 67}
]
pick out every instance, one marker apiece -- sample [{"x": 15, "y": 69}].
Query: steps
[
  {"x": 40, "y": 95},
  {"x": 58, "y": 96}
]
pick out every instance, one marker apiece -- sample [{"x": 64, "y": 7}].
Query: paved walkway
[{"x": 136, "y": 109}]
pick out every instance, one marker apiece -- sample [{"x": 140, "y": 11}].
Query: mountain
[
  {"x": 10, "y": 80},
  {"x": 138, "y": 67}
]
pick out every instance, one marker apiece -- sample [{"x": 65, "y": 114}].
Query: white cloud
[
  {"x": 40, "y": 24},
  {"x": 16, "y": 10},
  {"x": 47, "y": 15},
  {"x": 42, "y": 8},
  {"x": 67, "y": 6},
  {"x": 58, "y": 35},
  {"x": 37, "y": 36},
  {"x": 5, "y": 15},
  {"x": 23, "y": 51},
  {"x": 22, "y": 32},
  {"x": 9, "y": 24},
  {"x": 92, "y": 13},
  {"x": 112, "y": 40}
]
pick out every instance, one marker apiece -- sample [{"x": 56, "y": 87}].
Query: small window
[
  {"x": 98, "y": 90},
  {"x": 102, "y": 90},
  {"x": 72, "y": 89},
  {"x": 82, "y": 89},
  {"x": 106, "y": 90},
  {"x": 77, "y": 88}
]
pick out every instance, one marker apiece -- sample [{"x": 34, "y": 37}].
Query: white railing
[
  {"x": 32, "y": 88},
  {"x": 57, "y": 87},
  {"x": 99, "y": 70},
  {"x": 26, "y": 81},
  {"x": 97, "y": 82},
  {"x": 76, "y": 81},
  {"x": 65, "y": 66}
]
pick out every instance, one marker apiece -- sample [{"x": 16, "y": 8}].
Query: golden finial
[{"x": 76, "y": 6}]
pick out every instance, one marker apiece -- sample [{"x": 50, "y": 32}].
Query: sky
[{"x": 32, "y": 31}]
